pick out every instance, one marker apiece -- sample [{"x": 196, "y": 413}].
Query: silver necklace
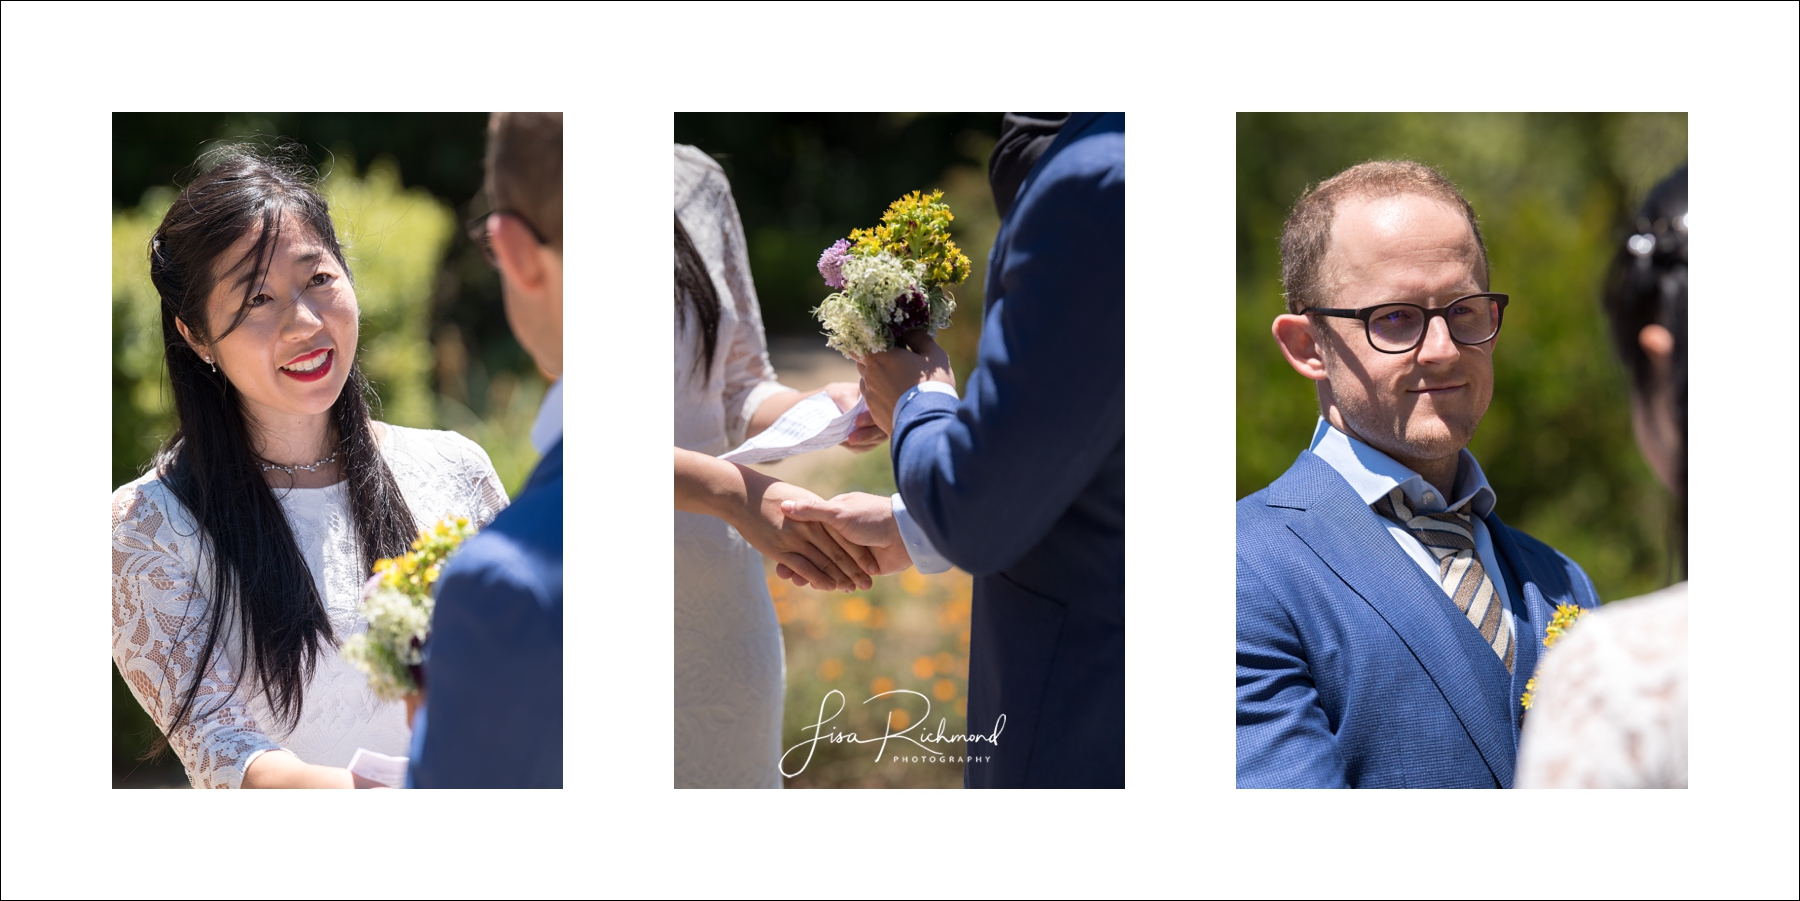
[{"x": 268, "y": 467}]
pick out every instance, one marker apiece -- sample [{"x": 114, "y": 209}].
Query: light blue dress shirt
[
  {"x": 925, "y": 558},
  {"x": 1372, "y": 474}
]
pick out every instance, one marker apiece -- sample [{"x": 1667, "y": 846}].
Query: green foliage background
[
  {"x": 1554, "y": 193},
  {"x": 434, "y": 340}
]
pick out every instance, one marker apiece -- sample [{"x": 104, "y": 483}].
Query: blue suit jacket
[
  {"x": 1354, "y": 669},
  {"x": 1022, "y": 483},
  {"x": 493, "y": 715}
]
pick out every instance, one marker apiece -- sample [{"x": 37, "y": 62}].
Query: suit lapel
[
  {"x": 1530, "y": 610},
  {"x": 1352, "y": 540}
]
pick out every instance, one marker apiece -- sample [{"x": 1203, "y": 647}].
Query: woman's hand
[
  {"x": 811, "y": 550},
  {"x": 751, "y": 502},
  {"x": 865, "y": 519},
  {"x": 868, "y": 435},
  {"x": 281, "y": 769}
]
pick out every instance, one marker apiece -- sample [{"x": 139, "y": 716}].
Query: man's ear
[
  {"x": 516, "y": 250},
  {"x": 1658, "y": 344},
  {"x": 1300, "y": 345}
]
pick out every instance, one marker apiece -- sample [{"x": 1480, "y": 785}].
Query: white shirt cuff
[
  {"x": 934, "y": 387},
  {"x": 924, "y": 557}
]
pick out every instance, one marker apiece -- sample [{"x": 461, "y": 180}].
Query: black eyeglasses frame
[{"x": 1366, "y": 313}]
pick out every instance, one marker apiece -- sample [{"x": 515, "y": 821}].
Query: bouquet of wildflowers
[
  {"x": 397, "y": 603},
  {"x": 893, "y": 278}
]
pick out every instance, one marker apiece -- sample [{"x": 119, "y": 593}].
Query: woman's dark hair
[
  {"x": 1647, "y": 285},
  {"x": 694, "y": 285},
  {"x": 259, "y": 586}
]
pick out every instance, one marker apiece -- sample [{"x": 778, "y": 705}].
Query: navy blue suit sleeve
[
  {"x": 1284, "y": 739},
  {"x": 988, "y": 477},
  {"x": 493, "y": 714}
]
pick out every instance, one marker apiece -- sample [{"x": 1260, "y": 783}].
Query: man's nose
[{"x": 1438, "y": 346}]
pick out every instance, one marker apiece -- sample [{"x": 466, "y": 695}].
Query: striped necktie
[{"x": 1450, "y": 537}]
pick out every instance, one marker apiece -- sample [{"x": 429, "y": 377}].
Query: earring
[{"x": 209, "y": 362}]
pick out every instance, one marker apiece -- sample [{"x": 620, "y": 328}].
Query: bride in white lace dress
[
  {"x": 728, "y": 653},
  {"x": 239, "y": 559}
]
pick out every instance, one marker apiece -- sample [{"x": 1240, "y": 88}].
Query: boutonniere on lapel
[{"x": 1564, "y": 617}]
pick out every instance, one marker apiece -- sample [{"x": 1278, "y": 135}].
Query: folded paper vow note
[
  {"x": 389, "y": 771},
  {"x": 810, "y": 425}
]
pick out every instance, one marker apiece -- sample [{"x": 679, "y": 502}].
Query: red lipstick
[{"x": 323, "y": 357}]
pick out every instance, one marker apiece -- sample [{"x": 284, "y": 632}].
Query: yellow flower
[{"x": 923, "y": 667}]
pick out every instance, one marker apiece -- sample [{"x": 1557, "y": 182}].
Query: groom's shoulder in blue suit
[
  {"x": 1352, "y": 670},
  {"x": 493, "y": 714}
]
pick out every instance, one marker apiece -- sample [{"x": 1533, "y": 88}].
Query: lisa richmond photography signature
[{"x": 922, "y": 740}]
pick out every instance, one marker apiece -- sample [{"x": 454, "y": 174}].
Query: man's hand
[
  {"x": 887, "y": 375},
  {"x": 860, "y": 519},
  {"x": 811, "y": 550},
  {"x": 867, "y": 436}
]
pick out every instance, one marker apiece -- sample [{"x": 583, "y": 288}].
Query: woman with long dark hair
[
  {"x": 1610, "y": 708},
  {"x": 239, "y": 557}
]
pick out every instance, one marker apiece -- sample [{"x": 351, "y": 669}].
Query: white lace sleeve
[
  {"x": 159, "y": 626},
  {"x": 485, "y": 496},
  {"x": 749, "y": 377}
]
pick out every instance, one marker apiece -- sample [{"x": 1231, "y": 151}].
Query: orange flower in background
[
  {"x": 944, "y": 663},
  {"x": 777, "y": 587},
  {"x": 817, "y": 629},
  {"x": 943, "y": 689},
  {"x": 962, "y": 707},
  {"x": 863, "y": 649},
  {"x": 923, "y": 667},
  {"x": 881, "y": 685},
  {"x": 898, "y": 720},
  {"x": 831, "y": 669},
  {"x": 913, "y": 583},
  {"x": 878, "y": 618},
  {"x": 853, "y": 610}
]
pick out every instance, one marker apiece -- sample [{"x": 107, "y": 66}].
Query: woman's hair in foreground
[
  {"x": 259, "y": 591},
  {"x": 694, "y": 285},
  {"x": 1647, "y": 285}
]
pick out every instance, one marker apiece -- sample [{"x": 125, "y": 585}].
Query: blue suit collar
[
  {"x": 548, "y": 470},
  {"x": 1353, "y": 541}
]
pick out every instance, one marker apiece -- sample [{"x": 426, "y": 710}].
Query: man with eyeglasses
[{"x": 1387, "y": 620}]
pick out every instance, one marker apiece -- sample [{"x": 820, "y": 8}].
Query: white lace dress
[
  {"x": 729, "y": 669},
  {"x": 1610, "y": 709},
  {"x": 160, "y": 612}
]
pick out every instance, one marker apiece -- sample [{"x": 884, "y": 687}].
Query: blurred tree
[{"x": 1554, "y": 192}]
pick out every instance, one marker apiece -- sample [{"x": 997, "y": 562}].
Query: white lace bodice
[
  {"x": 728, "y": 657},
  {"x": 1610, "y": 709},
  {"x": 160, "y": 612}
]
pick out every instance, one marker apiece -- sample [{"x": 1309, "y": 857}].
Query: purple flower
[
  {"x": 912, "y": 313},
  {"x": 831, "y": 263}
]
